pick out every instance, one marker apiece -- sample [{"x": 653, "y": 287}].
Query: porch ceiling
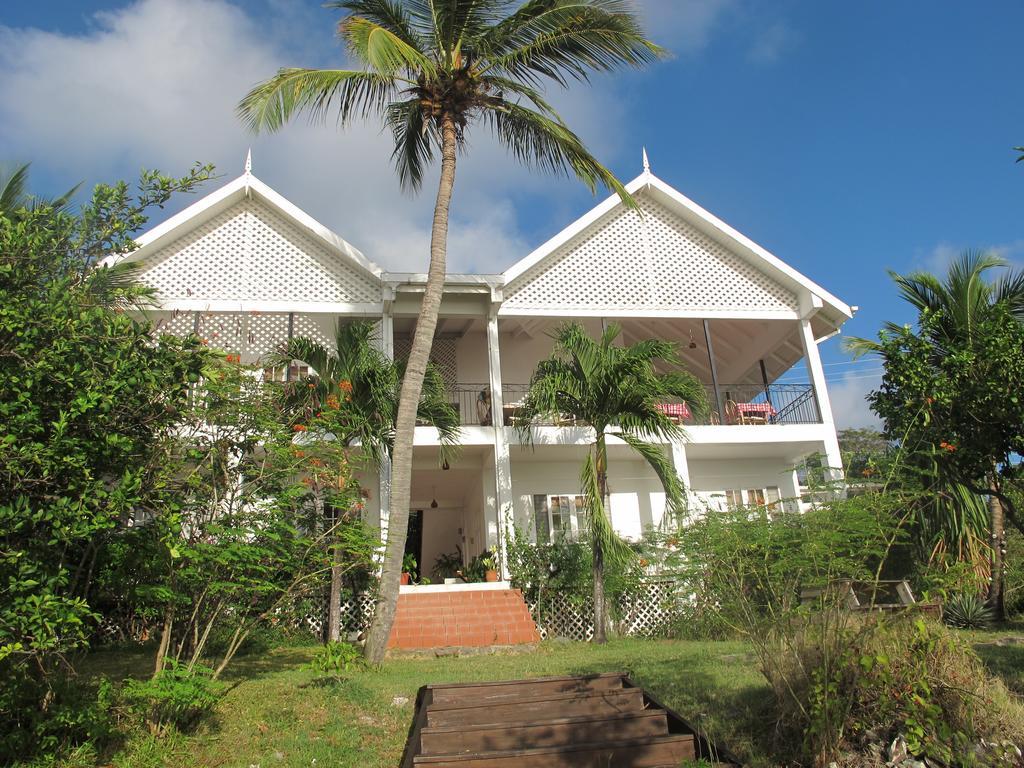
[{"x": 739, "y": 345}]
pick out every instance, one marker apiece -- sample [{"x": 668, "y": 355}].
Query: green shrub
[
  {"x": 845, "y": 688},
  {"x": 967, "y": 611},
  {"x": 336, "y": 658},
  {"x": 177, "y": 698}
]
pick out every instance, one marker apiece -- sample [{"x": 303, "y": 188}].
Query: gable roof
[
  {"x": 244, "y": 187},
  {"x": 808, "y": 293}
]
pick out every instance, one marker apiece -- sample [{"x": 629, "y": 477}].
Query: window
[
  {"x": 298, "y": 371},
  {"x": 555, "y": 516},
  {"x": 753, "y": 497}
]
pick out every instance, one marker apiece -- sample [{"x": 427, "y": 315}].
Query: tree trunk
[
  {"x": 334, "y": 609},
  {"x": 408, "y": 404},
  {"x": 600, "y": 603},
  {"x": 997, "y": 540},
  {"x": 165, "y": 640}
]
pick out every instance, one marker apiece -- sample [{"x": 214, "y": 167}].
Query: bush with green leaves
[
  {"x": 336, "y": 658},
  {"x": 847, "y": 690},
  {"x": 86, "y": 400},
  {"x": 178, "y": 697}
]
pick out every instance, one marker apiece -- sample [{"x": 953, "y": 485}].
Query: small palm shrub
[{"x": 967, "y": 611}]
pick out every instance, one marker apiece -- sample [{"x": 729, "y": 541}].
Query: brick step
[
  {"x": 557, "y": 732},
  {"x": 533, "y": 709},
  {"x": 514, "y": 689},
  {"x": 651, "y": 752},
  {"x": 462, "y": 618}
]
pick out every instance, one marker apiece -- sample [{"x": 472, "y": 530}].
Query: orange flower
[
  {"x": 947, "y": 446},
  {"x": 345, "y": 385},
  {"x": 311, "y": 385},
  {"x": 299, "y": 427},
  {"x": 332, "y": 401},
  {"x": 929, "y": 400}
]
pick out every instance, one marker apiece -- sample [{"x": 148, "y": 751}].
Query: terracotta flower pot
[
  {"x": 491, "y": 576},
  {"x": 406, "y": 578}
]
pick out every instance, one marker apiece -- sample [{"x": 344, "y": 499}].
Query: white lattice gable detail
[
  {"x": 675, "y": 260},
  {"x": 244, "y": 247}
]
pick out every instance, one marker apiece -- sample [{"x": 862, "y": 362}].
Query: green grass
[{"x": 278, "y": 713}]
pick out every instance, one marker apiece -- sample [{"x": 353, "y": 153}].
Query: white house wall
[{"x": 650, "y": 264}]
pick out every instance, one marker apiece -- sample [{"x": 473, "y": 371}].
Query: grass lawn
[{"x": 277, "y": 712}]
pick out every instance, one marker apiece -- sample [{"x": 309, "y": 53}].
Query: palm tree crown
[
  {"x": 423, "y": 62},
  {"x": 616, "y": 390},
  {"x": 357, "y": 372}
]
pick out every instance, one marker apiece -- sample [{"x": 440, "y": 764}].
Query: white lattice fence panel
[
  {"x": 649, "y": 612},
  {"x": 656, "y": 262},
  {"x": 252, "y": 252}
]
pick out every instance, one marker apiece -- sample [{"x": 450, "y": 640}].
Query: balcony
[{"x": 740, "y": 405}]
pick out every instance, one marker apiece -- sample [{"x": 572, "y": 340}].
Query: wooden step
[
  {"x": 533, "y": 709},
  {"x": 558, "y": 732},
  {"x": 651, "y": 752},
  {"x": 517, "y": 689}
]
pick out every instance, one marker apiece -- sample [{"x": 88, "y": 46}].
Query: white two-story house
[{"x": 246, "y": 269}]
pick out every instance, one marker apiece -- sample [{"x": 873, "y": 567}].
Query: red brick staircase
[{"x": 469, "y": 616}]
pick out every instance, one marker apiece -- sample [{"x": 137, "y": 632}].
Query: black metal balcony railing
[{"x": 741, "y": 404}]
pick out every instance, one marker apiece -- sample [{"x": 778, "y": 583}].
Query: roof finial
[
  {"x": 248, "y": 161},
  {"x": 647, "y": 163}
]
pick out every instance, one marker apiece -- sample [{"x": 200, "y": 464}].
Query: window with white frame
[
  {"x": 555, "y": 515},
  {"x": 754, "y": 497}
]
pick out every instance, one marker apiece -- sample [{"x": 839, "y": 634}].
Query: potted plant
[
  {"x": 490, "y": 567},
  {"x": 408, "y": 567}
]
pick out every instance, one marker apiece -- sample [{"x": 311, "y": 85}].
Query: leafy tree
[
  {"x": 358, "y": 374},
  {"x": 85, "y": 394},
  {"x": 615, "y": 390},
  {"x": 950, "y": 387},
  {"x": 432, "y": 70},
  {"x": 240, "y": 533}
]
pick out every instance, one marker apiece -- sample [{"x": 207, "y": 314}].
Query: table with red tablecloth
[{"x": 676, "y": 411}]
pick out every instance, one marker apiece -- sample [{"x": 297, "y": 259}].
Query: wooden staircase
[{"x": 595, "y": 721}]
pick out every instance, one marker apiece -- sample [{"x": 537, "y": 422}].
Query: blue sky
[{"x": 846, "y": 138}]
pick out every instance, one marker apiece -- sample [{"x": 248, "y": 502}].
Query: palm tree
[
  {"x": 615, "y": 390},
  {"x": 357, "y": 373},
  {"x": 958, "y": 304},
  {"x": 430, "y": 70}
]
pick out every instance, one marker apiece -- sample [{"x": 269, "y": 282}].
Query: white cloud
[
  {"x": 849, "y": 408},
  {"x": 155, "y": 84},
  {"x": 771, "y": 42},
  {"x": 684, "y": 26}
]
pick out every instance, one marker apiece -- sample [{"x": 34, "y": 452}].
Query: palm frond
[
  {"x": 563, "y": 39},
  {"x": 118, "y": 287},
  {"x": 391, "y": 15},
  {"x": 14, "y": 190},
  {"x": 546, "y": 143},
  {"x": 675, "y": 492},
  {"x": 383, "y": 50},
  {"x": 414, "y": 146},
  {"x": 269, "y": 105},
  {"x": 599, "y": 524}
]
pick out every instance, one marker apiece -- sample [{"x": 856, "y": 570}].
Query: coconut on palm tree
[
  {"x": 615, "y": 390},
  {"x": 358, "y": 374},
  {"x": 956, "y": 307},
  {"x": 432, "y": 71}
]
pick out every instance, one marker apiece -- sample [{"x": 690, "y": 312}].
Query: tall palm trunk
[
  {"x": 408, "y": 402},
  {"x": 997, "y": 532},
  {"x": 600, "y": 604}
]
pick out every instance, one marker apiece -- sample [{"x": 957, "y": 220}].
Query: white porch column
[
  {"x": 387, "y": 346},
  {"x": 789, "y": 487},
  {"x": 816, "y": 374},
  {"x": 682, "y": 467},
  {"x": 502, "y": 461}
]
